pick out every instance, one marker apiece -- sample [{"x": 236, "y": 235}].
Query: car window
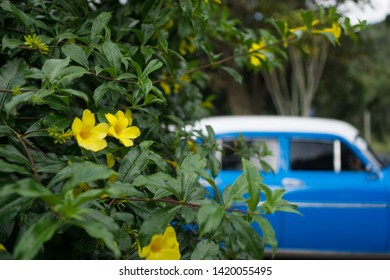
[
  {"x": 349, "y": 160},
  {"x": 232, "y": 161},
  {"x": 323, "y": 155},
  {"x": 311, "y": 155}
]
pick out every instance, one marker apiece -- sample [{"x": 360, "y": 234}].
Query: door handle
[{"x": 292, "y": 182}]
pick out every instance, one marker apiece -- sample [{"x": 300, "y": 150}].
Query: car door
[
  {"x": 344, "y": 207},
  {"x": 232, "y": 166}
]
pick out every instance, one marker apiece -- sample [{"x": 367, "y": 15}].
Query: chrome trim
[{"x": 338, "y": 205}]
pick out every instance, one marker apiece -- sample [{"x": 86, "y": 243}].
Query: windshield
[{"x": 368, "y": 152}]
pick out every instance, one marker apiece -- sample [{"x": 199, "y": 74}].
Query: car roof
[{"x": 284, "y": 124}]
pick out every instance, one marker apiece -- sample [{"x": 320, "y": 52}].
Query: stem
[
  {"x": 176, "y": 202},
  {"x": 22, "y": 141}
]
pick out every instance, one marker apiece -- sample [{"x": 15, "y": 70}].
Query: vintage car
[{"x": 339, "y": 185}]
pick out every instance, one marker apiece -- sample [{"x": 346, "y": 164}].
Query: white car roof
[{"x": 231, "y": 124}]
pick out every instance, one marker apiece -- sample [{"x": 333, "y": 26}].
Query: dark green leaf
[
  {"x": 236, "y": 76},
  {"x": 253, "y": 181},
  {"x": 17, "y": 100},
  {"x": 209, "y": 218},
  {"x": 133, "y": 164},
  {"x": 156, "y": 223},
  {"x": 27, "y": 20},
  {"x": 152, "y": 66},
  {"x": 269, "y": 237},
  {"x": 11, "y": 74},
  {"x": 205, "y": 250},
  {"x": 25, "y": 187},
  {"x": 74, "y": 92},
  {"x": 11, "y": 43},
  {"x": 77, "y": 173},
  {"x": 99, "y": 226},
  {"x": 186, "y": 6},
  {"x": 52, "y": 67},
  {"x": 75, "y": 53},
  {"x": 248, "y": 238},
  {"x": 99, "y": 24},
  {"x": 35, "y": 236},
  {"x": 122, "y": 190},
  {"x": 113, "y": 56}
]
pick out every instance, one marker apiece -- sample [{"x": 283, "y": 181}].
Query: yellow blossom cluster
[
  {"x": 60, "y": 136},
  {"x": 177, "y": 86},
  {"x": 33, "y": 42},
  {"x": 257, "y": 50},
  {"x": 92, "y": 137}
]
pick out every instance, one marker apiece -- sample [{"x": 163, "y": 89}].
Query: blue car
[{"x": 341, "y": 188}]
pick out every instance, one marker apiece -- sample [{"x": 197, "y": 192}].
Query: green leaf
[
  {"x": 159, "y": 184},
  {"x": 98, "y": 226},
  {"x": 247, "y": 238},
  {"x": 77, "y": 173},
  {"x": 113, "y": 56},
  {"x": 156, "y": 223},
  {"x": 133, "y": 164},
  {"x": 17, "y": 100},
  {"x": 4, "y": 130},
  {"x": 52, "y": 67},
  {"x": 152, "y": 66},
  {"x": 74, "y": 92},
  {"x": 209, "y": 218},
  {"x": 186, "y": 6},
  {"x": 274, "y": 201},
  {"x": 269, "y": 237},
  {"x": 6, "y": 167},
  {"x": 10, "y": 206},
  {"x": 65, "y": 36},
  {"x": 253, "y": 181},
  {"x": 29, "y": 188},
  {"x": 99, "y": 23},
  {"x": 205, "y": 250},
  {"x": 12, "y": 74},
  {"x": 10, "y": 43},
  {"x": 147, "y": 32},
  {"x": 75, "y": 53},
  {"x": 122, "y": 190},
  {"x": 27, "y": 20},
  {"x": 35, "y": 236},
  {"x": 11, "y": 154},
  {"x": 236, "y": 76},
  {"x": 137, "y": 68},
  {"x": 105, "y": 90},
  {"x": 67, "y": 75}
]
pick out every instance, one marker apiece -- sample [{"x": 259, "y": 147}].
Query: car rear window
[{"x": 231, "y": 161}]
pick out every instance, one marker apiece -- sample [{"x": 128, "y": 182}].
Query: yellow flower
[
  {"x": 110, "y": 163},
  {"x": 2, "y": 248},
  {"x": 165, "y": 87},
  {"x": 255, "y": 55},
  {"x": 162, "y": 247},
  {"x": 33, "y": 42},
  {"x": 88, "y": 135},
  {"x": 121, "y": 127},
  {"x": 216, "y": 1},
  {"x": 335, "y": 30}
]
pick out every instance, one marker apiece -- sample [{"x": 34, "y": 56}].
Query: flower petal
[
  {"x": 100, "y": 131},
  {"x": 77, "y": 125},
  {"x": 126, "y": 141},
  {"x": 130, "y": 132},
  {"x": 111, "y": 119},
  {"x": 88, "y": 119}
]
